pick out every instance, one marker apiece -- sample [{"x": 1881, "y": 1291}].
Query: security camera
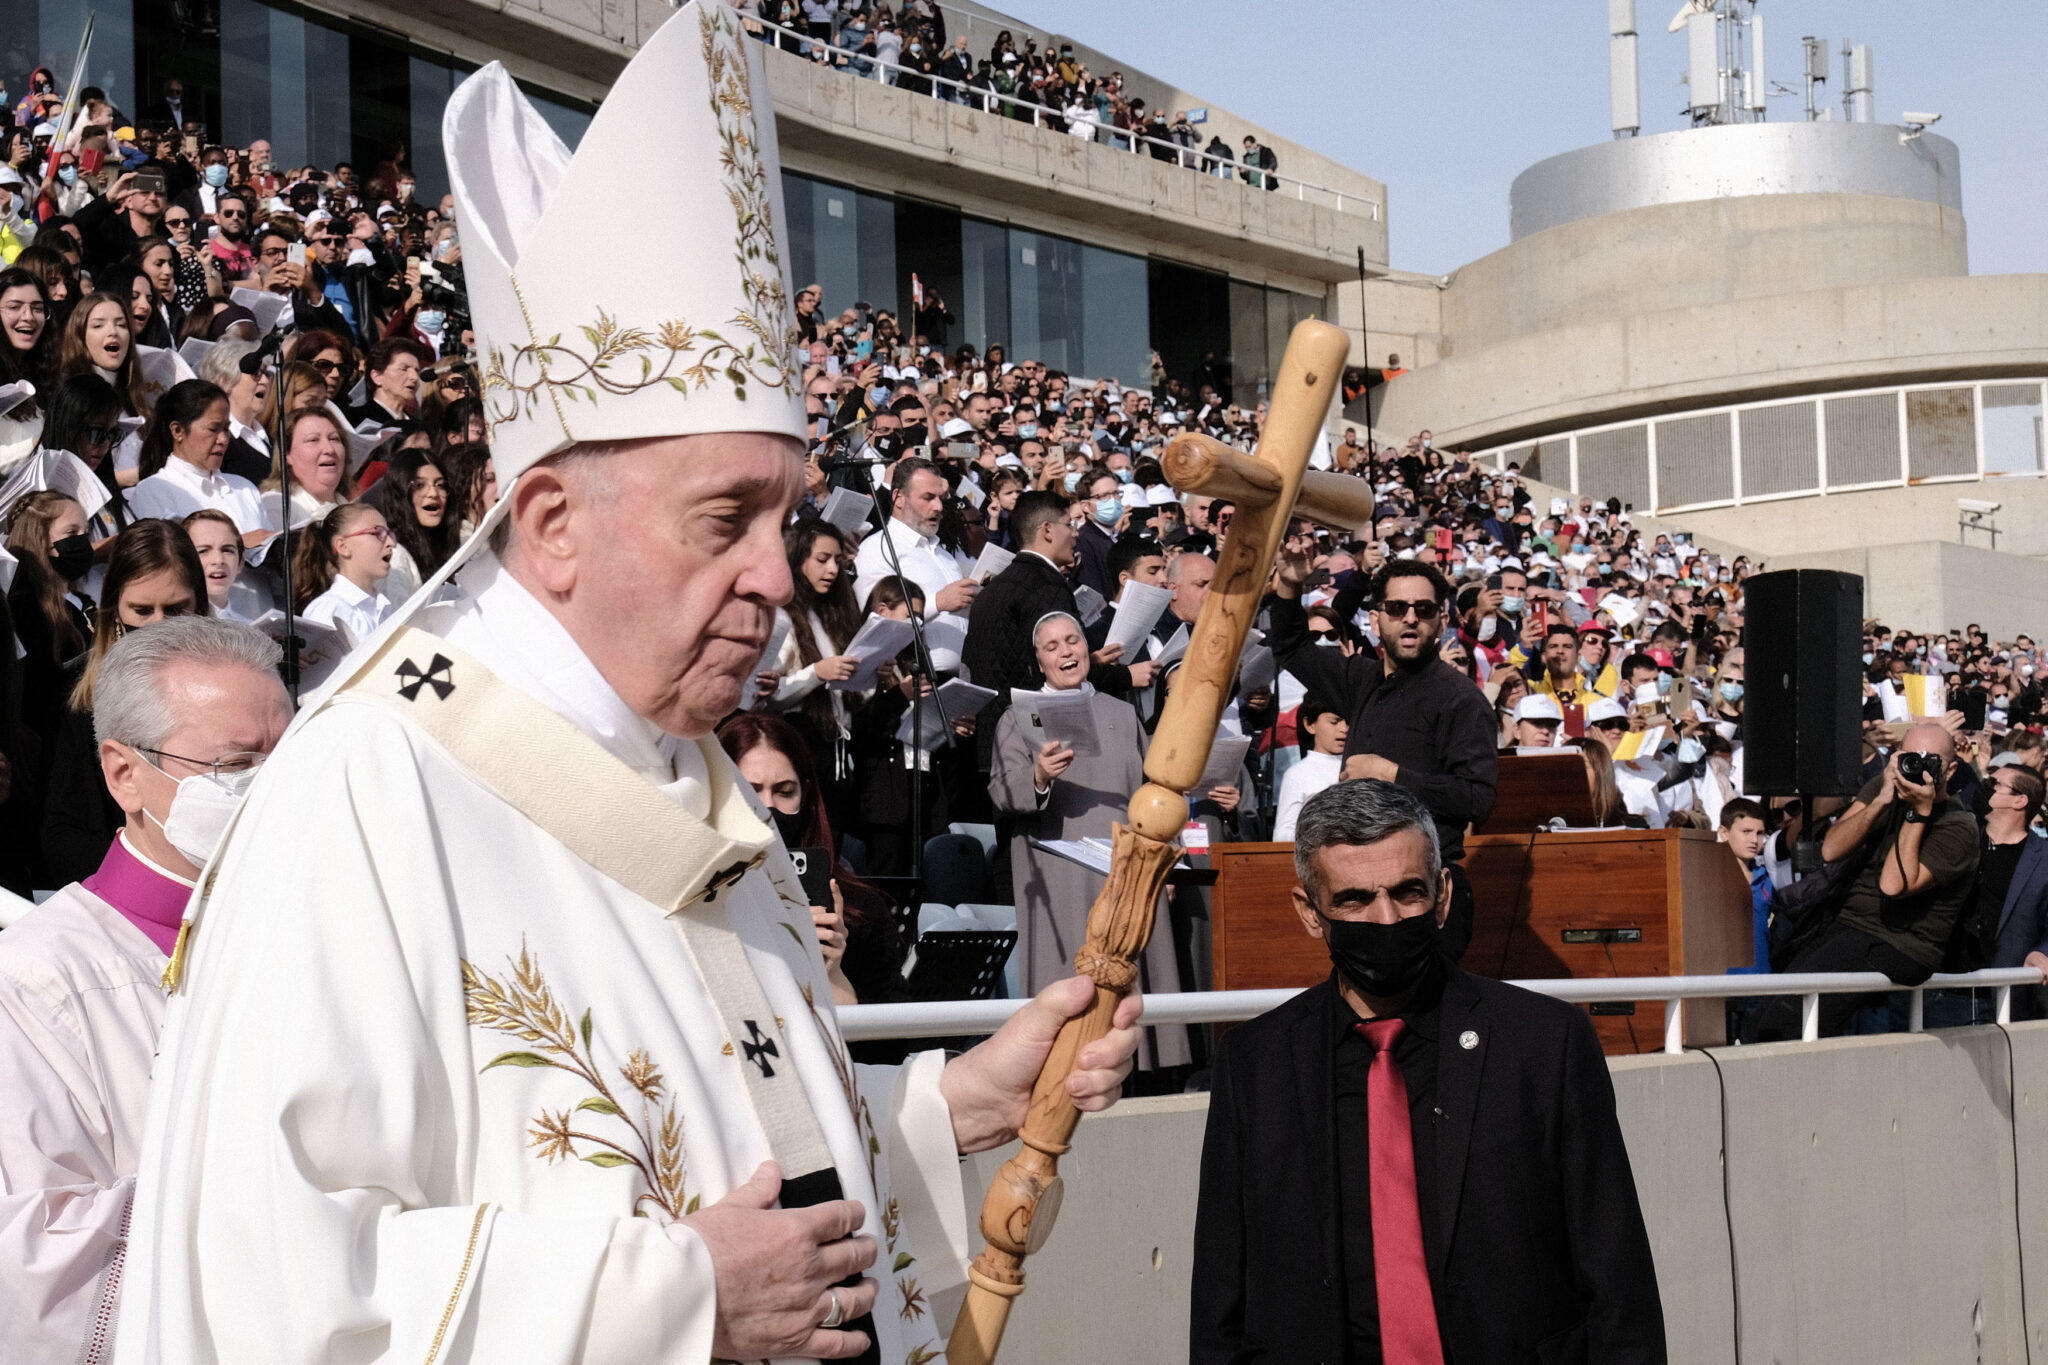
[
  {"x": 1978, "y": 505},
  {"x": 1913, "y": 120}
]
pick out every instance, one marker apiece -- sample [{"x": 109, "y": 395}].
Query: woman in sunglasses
[
  {"x": 83, "y": 416},
  {"x": 189, "y": 266},
  {"x": 329, "y": 353}
]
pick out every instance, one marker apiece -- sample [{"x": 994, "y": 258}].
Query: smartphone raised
[
  {"x": 296, "y": 253},
  {"x": 814, "y": 870}
]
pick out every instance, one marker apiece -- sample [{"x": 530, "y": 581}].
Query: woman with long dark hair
[
  {"x": 823, "y": 617},
  {"x": 99, "y": 341},
  {"x": 416, "y": 499},
  {"x": 83, "y": 417},
  {"x": 157, "y": 258},
  {"x": 181, "y": 458},
  {"x": 46, "y": 534},
  {"x": 28, "y": 344},
  {"x": 863, "y": 948},
  {"x": 152, "y": 575},
  {"x": 472, "y": 485}
]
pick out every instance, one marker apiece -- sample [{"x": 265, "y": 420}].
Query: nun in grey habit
[{"x": 1052, "y": 793}]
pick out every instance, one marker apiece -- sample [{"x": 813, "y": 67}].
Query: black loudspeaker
[{"x": 1802, "y": 710}]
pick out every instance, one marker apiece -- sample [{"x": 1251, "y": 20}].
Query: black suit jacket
[
  {"x": 999, "y": 652},
  {"x": 2023, "y": 919},
  {"x": 245, "y": 460},
  {"x": 1536, "y": 1245}
]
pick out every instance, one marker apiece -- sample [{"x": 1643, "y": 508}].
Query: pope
[{"x": 498, "y": 1029}]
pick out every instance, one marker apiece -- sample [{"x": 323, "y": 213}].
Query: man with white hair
[
  {"x": 541, "y": 1065},
  {"x": 184, "y": 712}
]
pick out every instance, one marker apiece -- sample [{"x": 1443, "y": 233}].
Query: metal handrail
[
  {"x": 953, "y": 1018},
  {"x": 1187, "y": 158}
]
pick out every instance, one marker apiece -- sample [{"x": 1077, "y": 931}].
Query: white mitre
[{"x": 636, "y": 288}]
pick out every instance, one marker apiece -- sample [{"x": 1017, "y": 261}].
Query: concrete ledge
[
  {"x": 1878, "y": 1210},
  {"x": 1933, "y": 584},
  {"x": 1981, "y": 326}
]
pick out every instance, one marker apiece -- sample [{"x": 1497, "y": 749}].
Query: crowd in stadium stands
[
  {"x": 908, "y": 47},
  {"x": 1014, "y": 511}
]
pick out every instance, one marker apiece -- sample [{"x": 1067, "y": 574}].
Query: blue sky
[{"x": 1448, "y": 100}]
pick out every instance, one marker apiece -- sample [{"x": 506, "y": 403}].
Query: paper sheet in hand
[
  {"x": 880, "y": 639},
  {"x": 971, "y": 492},
  {"x": 1063, "y": 717},
  {"x": 992, "y": 560},
  {"x": 265, "y": 306},
  {"x": 766, "y": 663},
  {"x": 1176, "y": 646},
  {"x": 956, "y": 699},
  {"x": 321, "y": 648},
  {"x": 1226, "y": 757},
  {"x": 1089, "y": 603},
  {"x": 847, "y": 510},
  {"x": 58, "y": 470},
  {"x": 1138, "y": 609},
  {"x": 1639, "y": 744},
  {"x": 14, "y": 395},
  {"x": 194, "y": 350},
  {"x": 946, "y": 631},
  {"x": 161, "y": 369}
]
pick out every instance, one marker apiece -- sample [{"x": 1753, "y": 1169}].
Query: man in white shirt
[
  {"x": 80, "y": 1004},
  {"x": 918, "y": 494}
]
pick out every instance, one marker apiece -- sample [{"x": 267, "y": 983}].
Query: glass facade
[
  {"x": 1084, "y": 309},
  {"x": 321, "y": 90}
]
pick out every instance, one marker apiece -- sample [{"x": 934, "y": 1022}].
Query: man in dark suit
[
  {"x": 1096, "y": 539},
  {"x": 1143, "y": 560},
  {"x": 2012, "y": 874},
  {"x": 1406, "y": 1163}
]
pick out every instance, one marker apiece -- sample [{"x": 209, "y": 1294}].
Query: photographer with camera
[{"x": 1915, "y": 852}]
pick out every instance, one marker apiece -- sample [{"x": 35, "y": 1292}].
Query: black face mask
[
  {"x": 1383, "y": 960},
  {"x": 72, "y": 556},
  {"x": 790, "y": 827}
]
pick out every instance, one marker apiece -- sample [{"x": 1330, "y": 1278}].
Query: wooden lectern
[{"x": 1579, "y": 903}]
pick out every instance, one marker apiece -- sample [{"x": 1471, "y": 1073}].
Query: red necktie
[{"x": 1407, "y": 1310}]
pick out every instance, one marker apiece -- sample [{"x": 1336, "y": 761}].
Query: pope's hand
[
  {"x": 776, "y": 1270},
  {"x": 988, "y": 1089}
]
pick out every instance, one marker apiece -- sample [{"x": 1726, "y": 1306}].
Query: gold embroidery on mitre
[
  {"x": 759, "y": 350},
  {"x": 524, "y": 1006}
]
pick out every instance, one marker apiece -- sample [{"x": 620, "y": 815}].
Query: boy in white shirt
[{"x": 1323, "y": 732}]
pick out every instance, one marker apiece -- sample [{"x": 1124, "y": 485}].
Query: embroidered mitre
[{"x": 636, "y": 288}]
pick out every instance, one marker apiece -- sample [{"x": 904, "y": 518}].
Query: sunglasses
[
  {"x": 177, "y": 222},
  {"x": 327, "y": 366},
  {"x": 1424, "y": 610}
]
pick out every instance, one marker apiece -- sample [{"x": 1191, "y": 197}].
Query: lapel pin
[{"x": 1468, "y": 1040}]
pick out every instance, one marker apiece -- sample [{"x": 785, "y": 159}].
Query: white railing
[
  {"x": 862, "y": 66},
  {"x": 954, "y": 1018}
]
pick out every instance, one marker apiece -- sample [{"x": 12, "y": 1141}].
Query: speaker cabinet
[{"x": 1802, "y": 713}]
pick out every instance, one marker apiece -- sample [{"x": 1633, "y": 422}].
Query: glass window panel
[
  {"x": 1250, "y": 379},
  {"x": 1544, "y": 462},
  {"x": 1941, "y": 432},
  {"x": 47, "y": 34},
  {"x": 570, "y": 121},
  {"x": 329, "y": 102},
  {"x": 1045, "y": 300},
  {"x": 1780, "y": 450},
  {"x": 432, "y": 84},
  {"x": 1695, "y": 460},
  {"x": 983, "y": 308},
  {"x": 245, "y": 73},
  {"x": 1863, "y": 439},
  {"x": 1115, "y": 317},
  {"x": 2012, "y": 429},
  {"x": 841, "y": 240},
  {"x": 1616, "y": 464}
]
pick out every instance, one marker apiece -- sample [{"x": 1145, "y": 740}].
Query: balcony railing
[
  {"x": 861, "y": 66},
  {"x": 955, "y": 1018}
]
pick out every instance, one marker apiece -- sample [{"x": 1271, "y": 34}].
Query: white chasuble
[{"x": 434, "y": 1088}]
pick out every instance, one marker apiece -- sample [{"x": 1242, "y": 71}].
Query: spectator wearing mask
[
  {"x": 47, "y": 534},
  {"x": 1322, "y": 729},
  {"x": 1918, "y": 852},
  {"x": 1595, "y": 650},
  {"x": 1414, "y": 720},
  {"x": 186, "y": 713},
  {"x": 1098, "y": 534},
  {"x": 1478, "y": 1232},
  {"x": 181, "y": 459},
  {"x": 918, "y": 497},
  {"x": 857, "y": 933},
  {"x": 338, "y": 568},
  {"x": 1051, "y": 793},
  {"x": 152, "y": 576}
]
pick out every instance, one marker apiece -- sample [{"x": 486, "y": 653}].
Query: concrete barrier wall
[{"x": 1880, "y": 1193}]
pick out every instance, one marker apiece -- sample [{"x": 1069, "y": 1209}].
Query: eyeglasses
[
  {"x": 1425, "y": 610},
  {"x": 16, "y": 309},
  {"x": 383, "y": 534},
  {"x": 241, "y": 761}
]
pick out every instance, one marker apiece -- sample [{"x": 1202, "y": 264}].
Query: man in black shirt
[
  {"x": 1919, "y": 852},
  {"x": 1472, "y": 1201},
  {"x": 1415, "y": 720}
]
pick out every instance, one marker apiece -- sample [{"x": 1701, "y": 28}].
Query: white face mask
[{"x": 201, "y": 810}]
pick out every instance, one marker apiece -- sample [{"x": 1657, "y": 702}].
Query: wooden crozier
[{"x": 1024, "y": 1198}]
